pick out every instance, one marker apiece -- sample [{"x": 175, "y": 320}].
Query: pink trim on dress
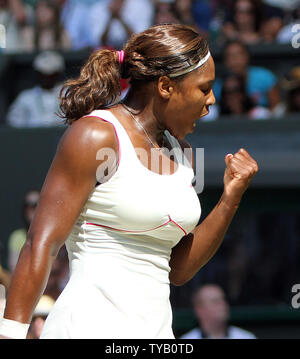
[
  {"x": 177, "y": 225},
  {"x": 125, "y": 230},
  {"x": 138, "y": 231}
]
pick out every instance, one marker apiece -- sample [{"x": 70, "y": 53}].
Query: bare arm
[
  {"x": 199, "y": 246},
  {"x": 70, "y": 180}
]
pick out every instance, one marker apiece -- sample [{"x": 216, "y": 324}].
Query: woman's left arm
[{"x": 198, "y": 247}]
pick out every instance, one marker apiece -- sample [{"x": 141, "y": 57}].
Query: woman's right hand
[{"x": 239, "y": 172}]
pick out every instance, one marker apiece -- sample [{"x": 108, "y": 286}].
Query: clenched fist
[{"x": 240, "y": 169}]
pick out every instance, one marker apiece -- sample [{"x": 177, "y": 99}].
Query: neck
[
  {"x": 214, "y": 330},
  {"x": 141, "y": 104}
]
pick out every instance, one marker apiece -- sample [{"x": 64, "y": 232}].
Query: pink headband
[{"x": 121, "y": 55}]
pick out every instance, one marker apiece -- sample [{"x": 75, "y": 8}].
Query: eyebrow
[{"x": 209, "y": 83}]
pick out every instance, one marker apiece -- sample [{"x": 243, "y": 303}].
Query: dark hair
[
  {"x": 158, "y": 51},
  {"x": 57, "y": 26},
  {"x": 247, "y": 103},
  {"x": 257, "y": 12},
  {"x": 236, "y": 42}
]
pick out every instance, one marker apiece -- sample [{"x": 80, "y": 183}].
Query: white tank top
[{"x": 120, "y": 247}]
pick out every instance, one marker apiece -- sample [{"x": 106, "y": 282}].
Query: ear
[{"x": 165, "y": 87}]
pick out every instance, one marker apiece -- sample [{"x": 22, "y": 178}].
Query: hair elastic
[
  {"x": 191, "y": 68},
  {"x": 121, "y": 55}
]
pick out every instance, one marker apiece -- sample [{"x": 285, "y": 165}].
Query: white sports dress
[{"x": 119, "y": 250}]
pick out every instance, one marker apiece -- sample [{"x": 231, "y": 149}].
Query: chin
[{"x": 205, "y": 114}]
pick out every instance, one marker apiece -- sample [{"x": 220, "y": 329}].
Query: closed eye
[{"x": 207, "y": 91}]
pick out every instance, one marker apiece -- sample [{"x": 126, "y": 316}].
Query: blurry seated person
[
  {"x": 261, "y": 84},
  {"x": 18, "y": 237},
  {"x": 119, "y": 20},
  {"x": 40, "y": 314},
  {"x": 47, "y": 32},
  {"x": 235, "y": 101},
  {"x": 245, "y": 22},
  {"x": 14, "y": 16},
  {"x": 212, "y": 313},
  {"x": 37, "y": 107},
  {"x": 291, "y": 85},
  {"x": 5, "y": 277},
  {"x": 165, "y": 12}
]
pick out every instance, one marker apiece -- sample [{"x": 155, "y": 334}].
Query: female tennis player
[{"x": 131, "y": 229}]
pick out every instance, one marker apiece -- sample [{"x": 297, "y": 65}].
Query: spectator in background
[
  {"x": 203, "y": 13},
  {"x": 165, "y": 12},
  {"x": 184, "y": 9},
  {"x": 119, "y": 20},
  {"x": 18, "y": 237},
  {"x": 47, "y": 33},
  {"x": 14, "y": 15},
  {"x": 5, "y": 278},
  {"x": 234, "y": 88},
  {"x": 291, "y": 85},
  {"x": 59, "y": 274},
  {"x": 39, "y": 317},
  {"x": 75, "y": 18},
  {"x": 245, "y": 23},
  {"x": 212, "y": 313},
  {"x": 274, "y": 16},
  {"x": 252, "y": 21},
  {"x": 261, "y": 84},
  {"x": 37, "y": 107},
  {"x": 236, "y": 102}
]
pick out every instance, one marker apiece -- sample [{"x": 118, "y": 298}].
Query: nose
[{"x": 211, "y": 100}]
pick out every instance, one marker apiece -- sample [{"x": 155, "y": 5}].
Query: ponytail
[{"x": 98, "y": 86}]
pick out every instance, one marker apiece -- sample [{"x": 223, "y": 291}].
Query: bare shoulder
[
  {"x": 90, "y": 133},
  {"x": 79, "y": 146}
]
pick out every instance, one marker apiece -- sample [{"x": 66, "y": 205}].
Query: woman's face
[
  {"x": 45, "y": 15},
  {"x": 236, "y": 59},
  {"x": 190, "y": 100},
  {"x": 233, "y": 95},
  {"x": 244, "y": 13},
  {"x": 165, "y": 14},
  {"x": 3, "y": 4}
]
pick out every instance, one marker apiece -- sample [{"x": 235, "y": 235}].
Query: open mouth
[{"x": 206, "y": 113}]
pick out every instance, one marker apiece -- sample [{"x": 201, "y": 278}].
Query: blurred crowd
[
  {"x": 78, "y": 24},
  {"x": 59, "y": 274},
  {"x": 50, "y": 27}
]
